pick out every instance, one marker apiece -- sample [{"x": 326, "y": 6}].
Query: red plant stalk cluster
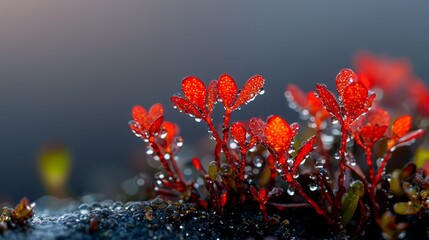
[{"x": 268, "y": 146}]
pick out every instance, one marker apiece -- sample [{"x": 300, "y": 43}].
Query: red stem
[
  {"x": 369, "y": 162},
  {"x": 380, "y": 171},
  {"x": 161, "y": 157},
  {"x": 344, "y": 134},
  {"x": 225, "y": 134},
  {"x": 219, "y": 142}
]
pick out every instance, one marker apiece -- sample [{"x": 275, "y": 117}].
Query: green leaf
[
  {"x": 405, "y": 208},
  {"x": 351, "y": 201}
]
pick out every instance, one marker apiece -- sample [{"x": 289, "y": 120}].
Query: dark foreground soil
[{"x": 159, "y": 219}]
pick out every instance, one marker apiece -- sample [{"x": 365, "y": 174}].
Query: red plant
[
  {"x": 394, "y": 79},
  {"x": 355, "y": 100},
  {"x": 264, "y": 150},
  {"x": 162, "y": 141}
]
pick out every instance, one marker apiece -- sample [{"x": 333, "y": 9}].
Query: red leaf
[
  {"x": 315, "y": 106},
  {"x": 401, "y": 126},
  {"x": 185, "y": 105},
  {"x": 227, "y": 89},
  {"x": 344, "y": 78},
  {"x": 410, "y": 137},
  {"x": 156, "y": 110},
  {"x": 139, "y": 115},
  {"x": 378, "y": 117},
  {"x": 354, "y": 98},
  {"x": 305, "y": 149},
  {"x": 212, "y": 96},
  {"x": 371, "y": 134},
  {"x": 368, "y": 104},
  {"x": 195, "y": 90},
  {"x": 278, "y": 134},
  {"x": 250, "y": 90},
  {"x": 329, "y": 101},
  {"x": 238, "y": 132},
  {"x": 156, "y": 125},
  {"x": 293, "y": 93},
  {"x": 256, "y": 127}
]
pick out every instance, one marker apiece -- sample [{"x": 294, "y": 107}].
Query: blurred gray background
[{"x": 72, "y": 70}]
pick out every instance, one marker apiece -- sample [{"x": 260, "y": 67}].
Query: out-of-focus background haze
[{"x": 70, "y": 71}]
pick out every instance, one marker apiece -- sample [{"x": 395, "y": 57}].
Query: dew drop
[
  {"x": 159, "y": 175},
  {"x": 296, "y": 175},
  {"x": 379, "y": 161},
  {"x": 179, "y": 141},
  {"x": 337, "y": 156},
  {"x": 290, "y": 191},
  {"x": 140, "y": 180},
  {"x": 149, "y": 150},
  {"x": 233, "y": 145},
  {"x": 163, "y": 134},
  {"x": 253, "y": 149},
  {"x": 261, "y": 91},
  {"x": 334, "y": 120},
  {"x": 84, "y": 208},
  {"x": 211, "y": 136},
  {"x": 313, "y": 186},
  {"x": 167, "y": 156},
  {"x": 257, "y": 162},
  {"x": 198, "y": 119}
]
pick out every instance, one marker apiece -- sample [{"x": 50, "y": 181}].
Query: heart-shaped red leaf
[
  {"x": 185, "y": 105},
  {"x": 401, "y": 126},
  {"x": 139, "y": 115},
  {"x": 344, "y": 78},
  {"x": 251, "y": 89},
  {"x": 238, "y": 132},
  {"x": 293, "y": 93},
  {"x": 227, "y": 90},
  {"x": 195, "y": 90},
  {"x": 211, "y": 96},
  {"x": 354, "y": 99},
  {"x": 278, "y": 133},
  {"x": 329, "y": 101},
  {"x": 305, "y": 149}
]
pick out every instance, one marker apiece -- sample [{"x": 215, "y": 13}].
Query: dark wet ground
[
  {"x": 156, "y": 219},
  {"x": 159, "y": 219}
]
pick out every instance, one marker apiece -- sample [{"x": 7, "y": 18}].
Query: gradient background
[{"x": 72, "y": 70}]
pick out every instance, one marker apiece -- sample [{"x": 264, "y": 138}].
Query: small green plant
[{"x": 255, "y": 161}]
